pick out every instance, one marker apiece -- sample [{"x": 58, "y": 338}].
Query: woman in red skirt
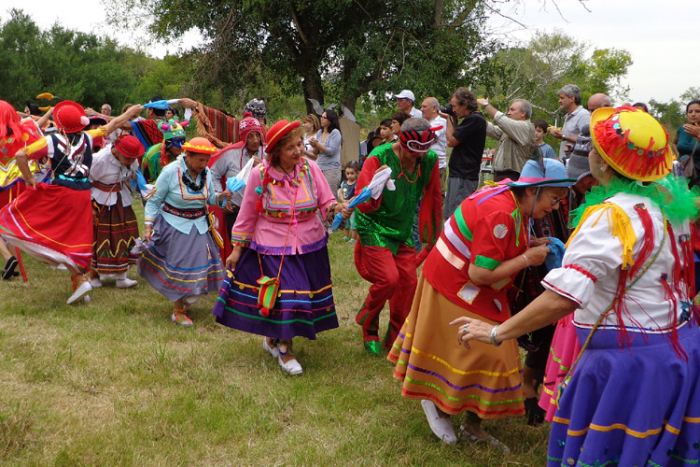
[{"x": 53, "y": 221}]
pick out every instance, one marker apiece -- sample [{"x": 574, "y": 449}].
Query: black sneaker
[{"x": 9, "y": 270}]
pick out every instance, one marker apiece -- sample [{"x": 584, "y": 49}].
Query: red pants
[{"x": 393, "y": 278}]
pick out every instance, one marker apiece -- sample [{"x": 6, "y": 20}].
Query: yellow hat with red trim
[{"x": 633, "y": 142}]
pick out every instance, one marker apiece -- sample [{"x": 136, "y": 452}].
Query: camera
[{"x": 447, "y": 108}]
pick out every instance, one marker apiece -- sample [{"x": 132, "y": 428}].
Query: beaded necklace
[{"x": 192, "y": 185}]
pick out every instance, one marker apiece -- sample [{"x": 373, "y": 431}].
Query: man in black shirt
[{"x": 467, "y": 141}]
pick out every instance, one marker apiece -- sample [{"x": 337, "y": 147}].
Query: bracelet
[
  {"x": 493, "y": 336},
  {"x": 527, "y": 263}
]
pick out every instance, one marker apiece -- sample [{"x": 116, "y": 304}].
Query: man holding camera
[
  {"x": 467, "y": 141},
  {"x": 516, "y": 138}
]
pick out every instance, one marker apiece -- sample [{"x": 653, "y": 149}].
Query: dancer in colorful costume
[
  {"x": 53, "y": 222},
  {"x": 181, "y": 258},
  {"x": 385, "y": 254},
  {"x": 14, "y": 135},
  {"x": 632, "y": 398},
  {"x": 483, "y": 246},
  {"x": 281, "y": 282},
  {"x": 116, "y": 227},
  {"x": 161, "y": 154},
  {"x": 226, "y": 164}
]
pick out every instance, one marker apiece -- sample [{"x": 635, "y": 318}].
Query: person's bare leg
[
  {"x": 286, "y": 350},
  {"x": 472, "y": 425},
  {"x": 4, "y": 251},
  {"x": 529, "y": 383}
]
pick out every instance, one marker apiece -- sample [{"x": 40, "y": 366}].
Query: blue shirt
[
  {"x": 331, "y": 158},
  {"x": 170, "y": 189},
  {"x": 547, "y": 151}
]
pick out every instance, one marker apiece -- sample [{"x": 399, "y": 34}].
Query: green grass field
[{"x": 115, "y": 383}]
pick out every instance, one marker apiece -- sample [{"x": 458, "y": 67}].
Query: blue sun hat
[{"x": 543, "y": 172}]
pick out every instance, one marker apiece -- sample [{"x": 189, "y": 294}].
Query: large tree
[
  {"x": 548, "y": 61},
  {"x": 335, "y": 50},
  {"x": 78, "y": 66}
]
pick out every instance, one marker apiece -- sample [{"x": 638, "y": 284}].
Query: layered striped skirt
[
  {"x": 181, "y": 265},
  {"x": 485, "y": 380},
  {"x": 637, "y": 406},
  {"x": 115, "y": 235},
  {"x": 304, "y": 306},
  {"x": 562, "y": 354}
]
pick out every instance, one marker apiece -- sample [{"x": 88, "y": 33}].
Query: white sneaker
[
  {"x": 274, "y": 351},
  {"x": 126, "y": 283},
  {"x": 82, "y": 289},
  {"x": 441, "y": 426},
  {"x": 293, "y": 367}
]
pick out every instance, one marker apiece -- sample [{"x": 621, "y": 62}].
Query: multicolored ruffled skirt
[
  {"x": 115, "y": 236},
  {"x": 52, "y": 223},
  {"x": 181, "y": 265},
  {"x": 485, "y": 380},
  {"x": 563, "y": 352},
  {"x": 304, "y": 306},
  {"x": 637, "y": 406}
]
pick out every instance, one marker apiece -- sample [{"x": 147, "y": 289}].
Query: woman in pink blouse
[{"x": 280, "y": 284}]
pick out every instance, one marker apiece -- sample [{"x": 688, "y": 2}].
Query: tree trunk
[{"x": 312, "y": 86}]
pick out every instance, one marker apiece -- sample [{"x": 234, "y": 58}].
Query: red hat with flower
[{"x": 70, "y": 116}]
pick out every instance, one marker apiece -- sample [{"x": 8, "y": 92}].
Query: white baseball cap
[{"x": 405, "y": 94}]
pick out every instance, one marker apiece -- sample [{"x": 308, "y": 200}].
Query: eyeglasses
[{"x": 553, "y": 200}]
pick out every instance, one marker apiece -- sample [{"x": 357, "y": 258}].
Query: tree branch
[
  {"x": 464, "y": 13},
  {"x": 298, "y": 25}
]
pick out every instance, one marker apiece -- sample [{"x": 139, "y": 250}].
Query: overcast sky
[{"x": 660, "y": 35}]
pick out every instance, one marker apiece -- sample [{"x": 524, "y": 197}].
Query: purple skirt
[
  {"x": 637, "y": 406},
  {"x": 304, "y": 308}
]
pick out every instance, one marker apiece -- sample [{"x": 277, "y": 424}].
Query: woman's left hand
[{"x": 472, "y": 330}]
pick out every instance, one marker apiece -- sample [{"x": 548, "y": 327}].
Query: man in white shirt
[
  {"x": 430, "y": 108},
  {"x": 405, "y": 100},
  {"x": 576, "y": 118},
  {"x": 231, "y": 160}
]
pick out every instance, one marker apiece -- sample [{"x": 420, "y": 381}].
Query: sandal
[
  {"x": 180, "y": 317},
  {"x": 488, "y": 439}
]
